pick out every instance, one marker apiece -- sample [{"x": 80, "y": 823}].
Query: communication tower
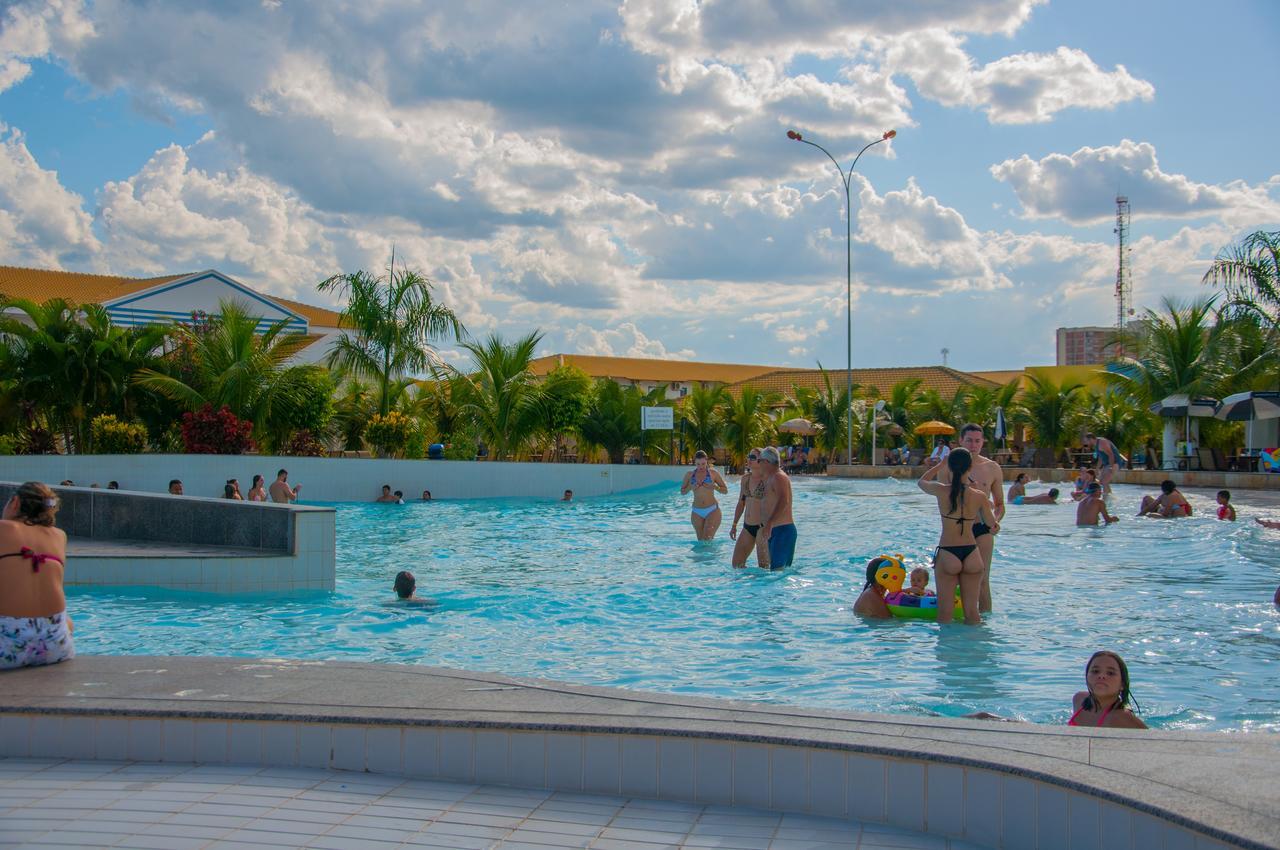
[{"x": 1124, "y": 282}]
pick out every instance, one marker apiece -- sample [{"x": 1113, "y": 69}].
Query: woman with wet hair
[{"x": 34, "y": 626}]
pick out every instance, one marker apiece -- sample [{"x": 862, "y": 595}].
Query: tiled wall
[{"x": 986, "y": 807}]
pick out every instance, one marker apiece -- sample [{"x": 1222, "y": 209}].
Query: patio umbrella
[
  {"x": 1248, "y": 406},
  {"x": 1002, "y": 428},
  {"x": 934, "y": 427},
  {"x": 1182, "y": 406},
  {"x": 803, "y": 427}
]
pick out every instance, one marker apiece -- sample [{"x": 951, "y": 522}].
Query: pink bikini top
[
  {"x": 37, "y": 558},
  {"x": 1072, "y": 721}
]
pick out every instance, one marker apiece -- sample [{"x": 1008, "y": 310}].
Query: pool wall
[
  {"x": 1141, "y": 477},
  {"x": 992, "y": 784},
  {"x": 342, "y": 479}
]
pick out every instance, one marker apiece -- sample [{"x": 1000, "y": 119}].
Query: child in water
[
  {"x": 1225, "y": 509},
  {"x": 919, "y": 583},
  {"x": 1106, "y": 700}
]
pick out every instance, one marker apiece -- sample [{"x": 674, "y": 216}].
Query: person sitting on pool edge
[
  {"x": 1105, "y": 702},
  {"x": 871, "y": 602},
  {"x": 1170, "y": 504}
]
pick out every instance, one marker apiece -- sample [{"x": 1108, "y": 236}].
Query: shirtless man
[
  {"x": 1108, "y": 458},
  {"x": 1092, "y": 507},
  {"x": 705, "y": 482},
  {"x": 386, "y": 497},
  {"x": 778, "y": 528},
  {"x": 281, "y": 491},
  {"x": 987, "y": 476},
  {"x": 750, "y": 505}
]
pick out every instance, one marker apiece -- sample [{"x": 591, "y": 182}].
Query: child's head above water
[
  {"x": 1224, "y": 497},
  {"x": 919, "y": 578}
]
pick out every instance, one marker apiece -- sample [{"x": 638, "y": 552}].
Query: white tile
[
  {"x": 906, "y": 793},
  {"x": 111, "y": 738},
  {"x": 457, "y": 754},
  {"x": 828, "y": 771},
  {"x": 179, "y": 743},
  {"x": 602, "y": 764},
  {"x": 564, "y": 761},
  {"x": 384, "y": 750},
  {"x": 493, "y": 757},
  {"x": 315, "y": 745},
  {"x": 1019, "y": 822},
  {"x": 713, "y": 772},
  {"x": 1147, "y": 831},
  {"x": 1052, "y": 817},
  {"x": 78, "y": 734},
  {"x": 675, "y": 768},
  {"x": 528, "y": 759},
  {"x": 867, "y": 788},
  {"x": 639, "y": 766},
  {"x": 146, "y": 739},
  {"x": 983, "y": 807},
  {"x": 789, "y": 778},
  {"x": 46, "y": 736},
  {"x": 280, "y": 744},
  {"x": 751, "y": 785},
  {"x": 348, "y": 746},
  {"x": 15, "y": 735},
  {"x": 944, "y": 799},
  {"x": 1083, "y": 814},
  {"x": 1116, "y": 824},
  {"x": 420, "y": 752}
]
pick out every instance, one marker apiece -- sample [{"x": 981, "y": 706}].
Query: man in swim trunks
[
  {"x": 705, "y": 482},
  {"x": 1108, "y": 458},
  {"x": 749, "y": 508},
  {"x": 1092, "y": 507},
  {"x": 987, "y": 476},
  {"x": 281, "y": 491},
  {"x": 779, "y": 527}
]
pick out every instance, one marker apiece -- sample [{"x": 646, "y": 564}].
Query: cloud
[
  {"x": 1081, "y": 187},
  {"x": 622, "y": 340},
  {"x": 42, "y": 224},
  {"x": 27, "y": 30},
  {"x": 1025, "y": 88}
]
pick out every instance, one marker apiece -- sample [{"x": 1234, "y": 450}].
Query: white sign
[{"x": 657, "y": 418}]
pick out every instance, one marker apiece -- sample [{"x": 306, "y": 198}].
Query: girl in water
[
  {"x": 957, "y": 558},
  {"x": 1106, "y": 702},
  {"x": 705, "y": 482}
]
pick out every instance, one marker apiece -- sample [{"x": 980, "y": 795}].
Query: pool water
[{"x": 615, "y": 591}]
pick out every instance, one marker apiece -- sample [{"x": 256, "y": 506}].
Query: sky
[{"x": 617, "y": 175}]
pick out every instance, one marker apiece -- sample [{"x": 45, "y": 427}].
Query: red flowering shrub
[
  {"x": 303, "y": 443},
  {"x": 215, "y": 432}
]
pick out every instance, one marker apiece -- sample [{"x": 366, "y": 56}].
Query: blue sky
[{"x": 617, "y": 174}]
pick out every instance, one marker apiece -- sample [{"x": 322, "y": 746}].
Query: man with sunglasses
[
  {"x": 778, "y": 528},
  {"x": 749, "y": 510}
]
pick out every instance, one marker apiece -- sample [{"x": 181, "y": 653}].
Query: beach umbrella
[
  {"x": 1001, "y": 429},
  {"x": 1248, "y": 406},
  {"x": 1185, "y": 407},
  {"x": 933, "y": 428},
  {"x": 803, "y": 427}
]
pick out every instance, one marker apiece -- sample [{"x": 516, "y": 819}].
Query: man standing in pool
[
  {"x": 987, "y": 476},
  {"x": 779, "y": 528}
]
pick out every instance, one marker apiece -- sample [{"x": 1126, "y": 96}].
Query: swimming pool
[{"x": 614, "y": 591}]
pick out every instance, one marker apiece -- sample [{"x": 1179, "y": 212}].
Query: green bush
[
  {"x": 313, "y": 408},
  {"x": 113, "y": 437},
  {"x": 389, "y": 435},
  {"x": 8, "y": 444}
]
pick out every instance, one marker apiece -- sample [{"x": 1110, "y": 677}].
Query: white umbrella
[
  {"x": 803, "y": 427},
  {"x": 1248, "y": 406},
  {"x": 1001, "y": 428},
  {"x": 1182, "y": 406}
]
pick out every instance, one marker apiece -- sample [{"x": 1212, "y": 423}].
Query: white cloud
[
  {"x": 42, "y": 224},
  {"x": 622, "y": 340},
  {"x": 1081, "y": 187},
  {"x": 27, "y": 30}
]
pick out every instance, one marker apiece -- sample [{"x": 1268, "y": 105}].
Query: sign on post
[{"x": 657, "y": 418}]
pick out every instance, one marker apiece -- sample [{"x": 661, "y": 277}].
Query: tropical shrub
[
  {"x": 389, "y": 435},
  {"x": 112, "y": 437},
  {"x": 215, "y": 432},
  {"x": 302, "y": 443},
  {"x": 312, "y": 408},
  {"x": 8, "y": 444}
]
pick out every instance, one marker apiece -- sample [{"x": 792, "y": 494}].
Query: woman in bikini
[
  {"x": 705, "y": 482},
  {"x": 258, "y": 492},
  {"x": 748, "y": 509},
  {"x": 1106, "y": 702},
  {"x": 34, "y": 626},
  {"x": 957, "y": 558}
]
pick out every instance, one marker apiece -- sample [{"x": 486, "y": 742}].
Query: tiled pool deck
[
  {"x": 921, "y": 782},
  {"x": 174, "y": 807}
]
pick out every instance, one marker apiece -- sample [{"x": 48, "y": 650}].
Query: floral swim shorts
[{"x": 32, "y": 641}]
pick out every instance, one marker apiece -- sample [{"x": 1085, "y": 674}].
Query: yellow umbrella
[{"x": 934, "y": 427}]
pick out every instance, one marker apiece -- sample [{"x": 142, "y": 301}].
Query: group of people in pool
[{"x": 763, "y": 506}]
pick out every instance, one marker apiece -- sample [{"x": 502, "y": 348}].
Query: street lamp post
[{"x": 845, "y": 178}]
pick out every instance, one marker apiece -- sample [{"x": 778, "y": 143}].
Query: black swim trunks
[
  {"x": 981, "y": 528},
  {"x": 753, "y": 530}
]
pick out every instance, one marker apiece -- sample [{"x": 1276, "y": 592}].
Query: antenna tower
[{"x": 1124, "y": 282}]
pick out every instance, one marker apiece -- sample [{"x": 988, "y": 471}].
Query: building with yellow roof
[
  {"x": 680, "y": 376},
  {"x": 177, "y": 297}
]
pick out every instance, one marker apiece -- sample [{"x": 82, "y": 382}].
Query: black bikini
[{"x": 961, "y": 552}]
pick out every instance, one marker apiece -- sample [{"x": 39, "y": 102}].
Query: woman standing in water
[
  {"x": 705, "y": 482},
  {"x": 957, "y": 558}
]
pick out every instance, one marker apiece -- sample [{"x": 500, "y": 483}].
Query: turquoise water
[{"x": 614, "y": 591}]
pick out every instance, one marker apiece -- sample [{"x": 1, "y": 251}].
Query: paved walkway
[{"x": 45, "y": 804}]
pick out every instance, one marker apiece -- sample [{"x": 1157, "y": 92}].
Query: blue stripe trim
[{"x": 206, "y": 276}]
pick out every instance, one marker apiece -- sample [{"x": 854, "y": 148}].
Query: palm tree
[
  {"x": 902, "y": 405},
  {"x": 608, "y": 424},
  {"x": 1050, "y": 409},
  {"x": 229, "y": 364},
  {"x": 983, "y": 402},
  {"x": 395, "y": 320},
  {"x": 831, "y": 411},
  {"x": 501, "y": 396},
  {"x": 933, "y": 405},
  {"x": 566, "y": 397},
  {"x": 1249, "y": 275},
  {"x": 1122, "y": 419},
  {"x": 747, "y": 422},
  {"x": 703, "y": 422}
]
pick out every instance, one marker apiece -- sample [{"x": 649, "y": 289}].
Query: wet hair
[
  {"x": 1125, "y": 699},
  {"x": 699, "y": 455},
  {"x": 873, "y": 566},
  {"x": 173, "y": 481},
  {"x": 257, "y": 479},
  {"x": 1093, "y": 487},
  {"x": 37, "y": 503},
  {"x": 972, "y": 426},
  {"x": 1092, "y": 472},
  {"x": 1053, "y": 492},
  {"x": 1167, "y": 486},
  {"x": 386, "y": 486},
  {"x": 1020, "y": 477},
  {"x": 958, "y": 462},
  {"x": 405, "y": 584},
  {"x": 228, "y": 490},
  {"x": 1224, "y": 494},
  {"x": 399, "y": 494},
  {"x": 280, "y": 472},
  {"x": 113, "y": 485}
]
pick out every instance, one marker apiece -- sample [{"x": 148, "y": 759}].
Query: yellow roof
[
  {"x": 321, "y": 316},
  {"x": 40, "y": 285},
  {"x": 1002, "y": 376},
  {"x": 940, "y": 378},
  {"x": 646, "y": 369}
]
